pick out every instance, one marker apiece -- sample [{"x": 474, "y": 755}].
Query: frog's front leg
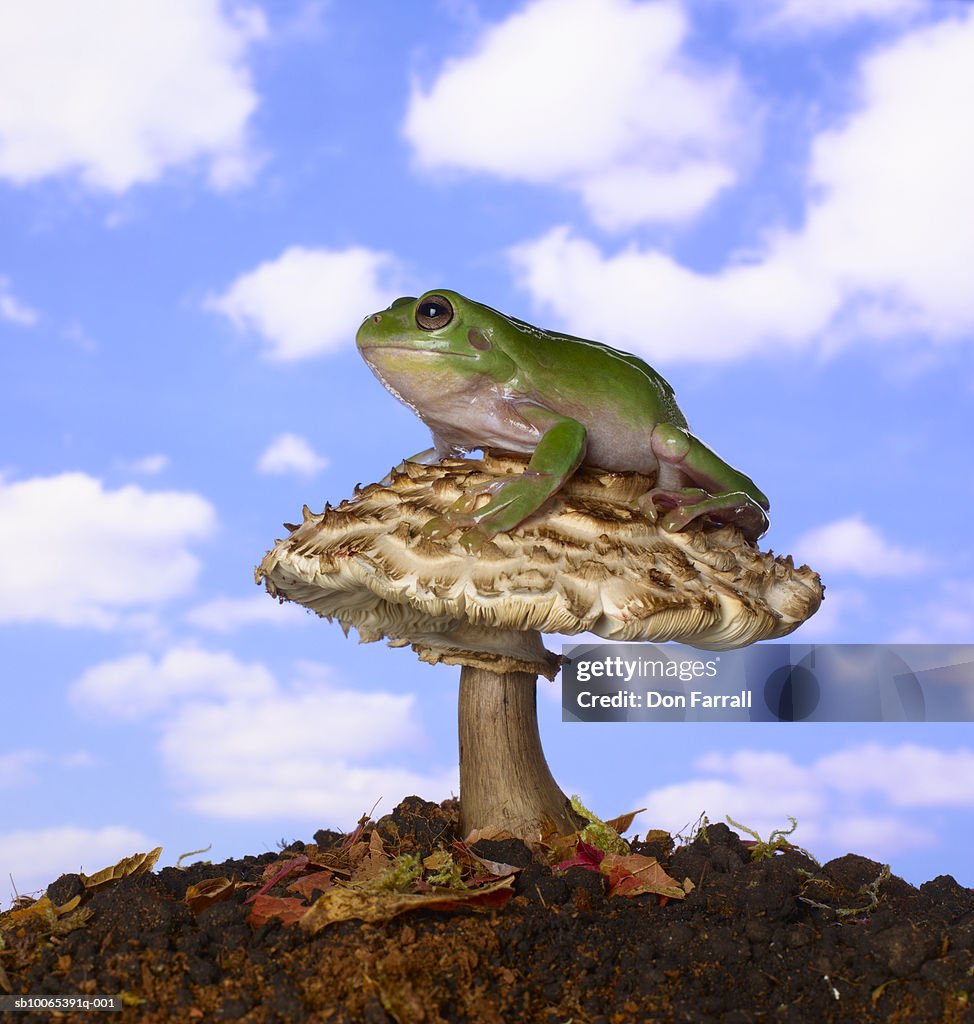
[
  {"x": 558, "y": 454},
  {"x": 722, "y": 492}
]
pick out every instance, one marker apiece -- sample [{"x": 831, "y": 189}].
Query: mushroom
[{"x": 589, "y": 561}]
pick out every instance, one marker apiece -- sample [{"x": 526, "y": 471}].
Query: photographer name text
[{"x": 656, "y": 699}]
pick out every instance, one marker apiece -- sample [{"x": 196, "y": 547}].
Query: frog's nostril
[{"x": 377, "y": 319}]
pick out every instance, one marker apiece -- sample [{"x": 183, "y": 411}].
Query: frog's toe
[
  {"x": 464, "y": 505},
  {"x": 473, "y": 540},
  {"x": 648, "y": 508},
  {"x": 659, "y": 502},
  {"x": 748, "y": 517},
  {"x": 439, "y": 526},
  {"x": 677, "y": 519}
]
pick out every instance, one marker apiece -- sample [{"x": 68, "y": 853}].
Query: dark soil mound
[{"x": 777, "y": 938}]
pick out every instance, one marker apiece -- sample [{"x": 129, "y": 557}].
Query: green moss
[
  {"x": 764, "y": 849},
  {"x": 400, "y": 874},
  {"x": 597, "y": 833}
]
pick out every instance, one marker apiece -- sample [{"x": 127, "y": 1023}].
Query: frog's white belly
[
  {"x": 482, "y": 414},
  {"x": 480, "y": 420},
  {"x": 620, "y": 449}
]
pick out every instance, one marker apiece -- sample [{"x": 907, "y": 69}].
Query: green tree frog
[{"x": 480, "y": 379}]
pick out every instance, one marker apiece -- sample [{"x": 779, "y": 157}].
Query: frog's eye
[{"x": 433, "y": 312}]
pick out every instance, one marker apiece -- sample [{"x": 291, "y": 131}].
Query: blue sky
[{"x": 772, "y": 203}]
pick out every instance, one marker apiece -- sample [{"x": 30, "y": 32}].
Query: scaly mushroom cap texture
[{"x": 589, "y": 561}]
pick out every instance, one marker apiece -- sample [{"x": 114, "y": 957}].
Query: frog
[{"x": 482, "y": 381}]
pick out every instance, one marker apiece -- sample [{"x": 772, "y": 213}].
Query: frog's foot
[
  {"x": 676, "y": 508},
  {"x": 660, "y": 500},
  {"x": 459, "y": 515},
  {"x": 472, "y": 539}
]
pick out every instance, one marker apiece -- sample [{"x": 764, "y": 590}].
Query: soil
[{"x": 772, "y": 937}]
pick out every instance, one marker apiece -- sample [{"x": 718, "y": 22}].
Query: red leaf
[
  {"x": 634, "y": 874},
  {"x": 288, "y": 908},
  {"x": 586, "y": 856},
  {"x": 307, "y": 885}
]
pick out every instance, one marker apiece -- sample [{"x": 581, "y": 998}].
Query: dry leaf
[
  {"x": 344, "y": 903},
  {"x": 624, "y": 822},
  {"x": 306, "y": 885},
  {"x": 561, "y": 848},
  {"x": 288, "y": 908},
  {"x": 369, "y": 861},
  {"x": 204, "y": 894},
  {"x": 137, "y": 864},
  {"x": 76, "y": 919},
  {"x": 41, "y": 912},
  {"x": 635, "y": 874},
  {"x": 335, "y": 859},
  {"x": 46, "y": 917},
  {"x": 656, "y": 833},
  {"x": 438, "y": 860},
  {"x": 475, "y": 862}
]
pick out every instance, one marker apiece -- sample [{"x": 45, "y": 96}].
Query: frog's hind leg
[{"x": 721, "y": 492}]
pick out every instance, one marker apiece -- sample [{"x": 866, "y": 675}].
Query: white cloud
[
  {"x": 76, "y": 554},
  {"x": 240, "y": 745},
  {"x": 149, "y": 465},
  {"x": 12, "y": 309},
  {"x": 914, "y": 90},
  {"x": 120, "y": 92},
  {"x": 228, "y": 614},
  {"x": 627, "y": 121},
  {"x": 291, "y": 453},
  {"x": 887, "y": 238},
  {"x": 826, "y": 14},
  {"x": 853, "y": 545},
  {"x": 137, "y": 685},
  {"x": 882, "y": 834},
  {"x": 309, "y": 784},
  {"x": 309, "y": 301},
  {"x": 756, "y": 764},
  {"x": 909, "y": 775},
  {"x": 761, "y": 808},
  {"x": 690, "y": 315},
  {"x": 313, "y": 750},
  {"x": 842, "y": 801},
  {"x": 15, "y": 767},
  {"x": 37, "y": 857},
  {"x": 946, "y": 619}
]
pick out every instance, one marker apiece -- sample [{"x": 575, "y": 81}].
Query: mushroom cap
[{"x": 589, "y": 561}]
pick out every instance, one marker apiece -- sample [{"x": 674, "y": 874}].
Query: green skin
[{"x": 480, "y": 379}]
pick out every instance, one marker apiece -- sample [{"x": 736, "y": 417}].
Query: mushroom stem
[{"x": 505, "y": 781}]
